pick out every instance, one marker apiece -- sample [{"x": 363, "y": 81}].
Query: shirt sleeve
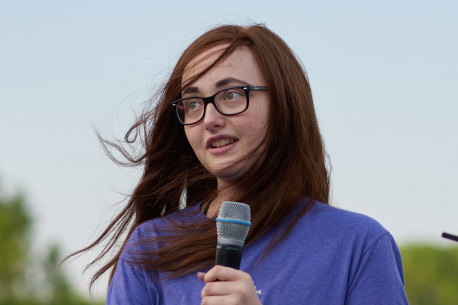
[
  {"x": 128, "y": 286},
  {"x": 379, "y": 278}
]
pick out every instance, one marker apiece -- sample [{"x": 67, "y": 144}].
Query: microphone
[{"x": 232, "y": 225}]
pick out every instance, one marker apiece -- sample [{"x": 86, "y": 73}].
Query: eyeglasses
[{"x": 230, "y": 101}]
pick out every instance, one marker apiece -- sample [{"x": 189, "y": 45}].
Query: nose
[{"x": 213, "y": 119}]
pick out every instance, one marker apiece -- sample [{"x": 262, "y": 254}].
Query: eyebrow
[{"x": 218, "y": 84}]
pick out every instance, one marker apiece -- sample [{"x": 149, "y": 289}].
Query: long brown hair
[{"x": 292, "y": 166}]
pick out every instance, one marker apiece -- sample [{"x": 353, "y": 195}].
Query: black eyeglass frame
[{"x": 211, "y": 100}]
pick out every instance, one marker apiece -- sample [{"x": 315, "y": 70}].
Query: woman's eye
[
  {"x": 232, "y": 95},
  {"x": 192, "y": 105}
]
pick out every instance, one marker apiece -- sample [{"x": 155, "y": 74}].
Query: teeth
[{"x": 222, "y": 142}]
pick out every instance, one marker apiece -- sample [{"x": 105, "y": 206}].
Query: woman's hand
[{"x": 224, "y": 285}]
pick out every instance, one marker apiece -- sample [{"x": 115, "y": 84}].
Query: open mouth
[{"x": 221, "y": 143}]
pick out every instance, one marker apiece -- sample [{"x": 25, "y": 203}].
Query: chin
[{"x": 228, "y": 173}]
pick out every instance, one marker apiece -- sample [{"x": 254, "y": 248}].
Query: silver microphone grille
[{"x": 233, "y": 223}]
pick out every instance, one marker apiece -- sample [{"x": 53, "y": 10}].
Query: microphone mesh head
[{"x": 233, "y": 223}]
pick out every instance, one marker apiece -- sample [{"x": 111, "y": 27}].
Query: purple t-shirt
[{"x": 332, "y": 256}]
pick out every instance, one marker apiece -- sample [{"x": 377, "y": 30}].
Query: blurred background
[{"x": 384, "y": 77}]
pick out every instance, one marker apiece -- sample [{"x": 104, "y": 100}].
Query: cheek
[
  {"x": 258, "y": 116},
  {"x": 257, "y": 126},
  {"x": 254, "y": 133},
  {"x": 191, "y": 136}
]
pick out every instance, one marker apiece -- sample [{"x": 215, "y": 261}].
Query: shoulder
[
  {"x": 154, "y": 227},
  {"x": 144, "y": 235},
  {"x": 335, "y": 218},
  {"x": 331, "y": 225}
]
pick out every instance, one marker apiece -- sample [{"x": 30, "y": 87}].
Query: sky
[{"x": 384, "y": 77}]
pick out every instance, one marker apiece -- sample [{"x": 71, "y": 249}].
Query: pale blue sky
[{"x": 384, "y": 77}]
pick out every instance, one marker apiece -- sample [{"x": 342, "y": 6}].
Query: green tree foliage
[
  {"x": 431, "y": 274},
  {"x": 26, "y": 278},
  {"x": 14, "y": 246}
]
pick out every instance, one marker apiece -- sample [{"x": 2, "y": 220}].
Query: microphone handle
[{"x": 229, "y": 256}]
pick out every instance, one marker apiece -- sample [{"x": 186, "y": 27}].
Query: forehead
[{"x": 241, "y": 64}]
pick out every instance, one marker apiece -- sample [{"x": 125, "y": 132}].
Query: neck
[{"x": 225, "y": 193}]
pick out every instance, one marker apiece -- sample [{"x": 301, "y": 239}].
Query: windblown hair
[{"x": 292, "y": 165}]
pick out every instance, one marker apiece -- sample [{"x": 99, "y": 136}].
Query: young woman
[{"x": 236, "y": 122}]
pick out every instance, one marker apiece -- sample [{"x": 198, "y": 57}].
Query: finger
[
  {"x": 222, "y": 273},
  {"x": 218, "y": 288},
  {"x": 201, "y": 276},
  {"x": 216, "y": 300}
]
